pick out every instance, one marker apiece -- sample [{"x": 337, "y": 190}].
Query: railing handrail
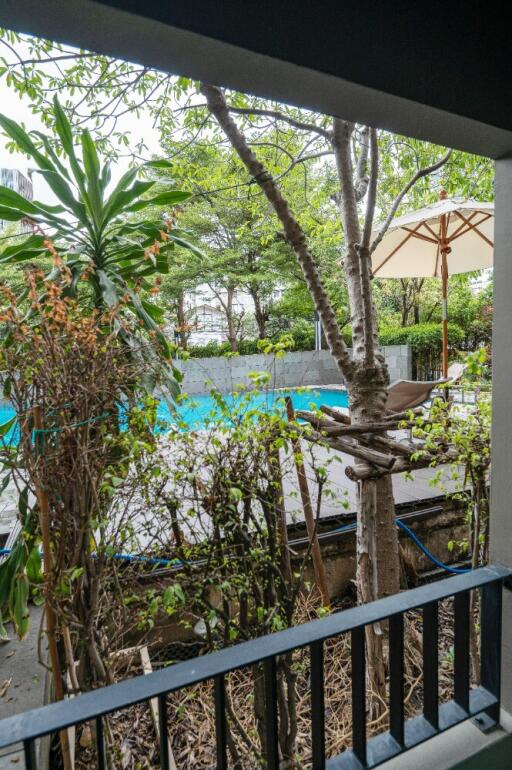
[{"x": 48, "y": 719}]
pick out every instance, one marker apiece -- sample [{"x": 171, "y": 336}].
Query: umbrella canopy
[
  {"x": 450, "y": 236},
  {"x": 411, "y": 248}
]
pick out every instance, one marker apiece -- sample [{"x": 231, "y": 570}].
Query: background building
[{"x": 20, "y": 183}]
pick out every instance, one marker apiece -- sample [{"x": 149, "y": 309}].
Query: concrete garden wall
[
  {"x": 444, "y": 521},
  {"x": 294, "y": 370}
]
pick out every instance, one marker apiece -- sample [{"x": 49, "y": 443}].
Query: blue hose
[
  {"x": 423, "y": 548},
  {"x": 146, "y": 559},
  {"x": 166, "y": 562},
  {"x": 125, "y": 557}
]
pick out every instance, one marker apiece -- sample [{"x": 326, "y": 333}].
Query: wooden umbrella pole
[
  {"x": 444, "y": 275},
  {"x": 318, "y": 564},
  {"x": 444, "y": 246},
  {"x": 51, "y": 620}
]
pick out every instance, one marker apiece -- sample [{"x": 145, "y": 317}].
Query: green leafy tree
[{"x": 244, "y": 251}]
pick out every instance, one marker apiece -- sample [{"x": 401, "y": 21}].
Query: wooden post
[
  {"x": 147, "y": 668},
  {"x": 444, "y": 305},
  {"x": 318, "y": 564},
  {"x": 445, "y": 248},
  {"x": 51, "y": 620},
  {"x": 275, "y": 468}
]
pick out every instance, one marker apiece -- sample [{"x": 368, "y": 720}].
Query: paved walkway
[{"x": 23, "y": 680}]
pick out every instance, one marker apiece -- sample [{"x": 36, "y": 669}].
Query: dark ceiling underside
[
  {"x": 452, "y": 55},
  {"x": 435, "y": 70}
]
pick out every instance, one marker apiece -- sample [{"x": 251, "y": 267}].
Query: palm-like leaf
[{"x": 91, "y": 226}]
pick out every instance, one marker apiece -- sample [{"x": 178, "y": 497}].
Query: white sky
[{"x": 19, "y": 110}]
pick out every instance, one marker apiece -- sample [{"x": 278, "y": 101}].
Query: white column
[{"x": 501, "y": 480}]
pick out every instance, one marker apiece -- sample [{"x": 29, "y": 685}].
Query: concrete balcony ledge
[{"x": 464, "y": 747}]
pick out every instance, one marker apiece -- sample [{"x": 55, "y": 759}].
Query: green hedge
[
  {"x": 210, "y": 350},
  {"x": 213, "y": 349},
  {"x": 422, "y": 337},
  {"x": 303, "y": 334},
  {"x": 426, "y": 342}
]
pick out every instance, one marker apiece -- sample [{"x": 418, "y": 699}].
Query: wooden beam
[
  {"x": 147, "y": 668},
  {"x": 401, "y": 466},
  {"x": 350, "y": 447},
  {"x": 336, "y": 414}
]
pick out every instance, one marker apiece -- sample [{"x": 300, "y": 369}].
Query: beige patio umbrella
[{"x": 448, "y": 237}]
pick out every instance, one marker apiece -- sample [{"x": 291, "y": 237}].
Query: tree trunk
[
  {"x": 259, "y": 313},
  {"x": 365, "y": 371},
  {"x": 366, "y": 376},
  {"x": 230, "y": 319},
  {"x": 182, "y": 320},
  {"x": 367, "y": 383},
  {"x": 404, "y": 301},
  {"x": 367, "y": 405}
]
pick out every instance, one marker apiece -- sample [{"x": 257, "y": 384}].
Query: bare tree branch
[
  {"x": 299, "y": 124},
  {"x": 422, "y": 172},
  {"x": 372, "y": 188},
  {"x": 302, "y": 159},
  {"x": 362, "y": 178}
]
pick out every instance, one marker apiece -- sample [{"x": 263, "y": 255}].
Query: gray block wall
[{"x": 294, "y": 370}]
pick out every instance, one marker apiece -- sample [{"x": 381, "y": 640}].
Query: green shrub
[
  {"x": 211, "y": 349},
  {"x": 303, "y": 335},
  {"x": 248, "y": 347},
  {"x": 422, "y": 337},
  {"x": 426, "y": 343}
]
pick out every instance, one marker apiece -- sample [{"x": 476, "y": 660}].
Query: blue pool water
[{"x": 195, "y": 412}]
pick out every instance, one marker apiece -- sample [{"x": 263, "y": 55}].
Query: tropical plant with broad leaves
[{"x": 96, "y": 234}]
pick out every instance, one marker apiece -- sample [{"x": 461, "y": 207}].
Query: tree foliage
[{"x": 98, "y": 252}]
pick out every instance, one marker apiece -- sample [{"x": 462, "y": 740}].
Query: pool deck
[{"x": 341, "y": 498}]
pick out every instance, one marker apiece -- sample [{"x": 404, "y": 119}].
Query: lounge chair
[{"x": 406, "y": 394}]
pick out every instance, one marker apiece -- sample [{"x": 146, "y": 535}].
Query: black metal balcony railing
[{"x": 365, "y": 753}]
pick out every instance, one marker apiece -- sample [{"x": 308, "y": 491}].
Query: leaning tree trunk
[
  {"x": 182, "y": 320},
  {"x": 364, "y": 371}
]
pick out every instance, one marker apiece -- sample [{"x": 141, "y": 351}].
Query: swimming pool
[{"x": 194, "y": 412}]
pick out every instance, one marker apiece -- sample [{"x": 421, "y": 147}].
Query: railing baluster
[
  {"x": 100, "y": 744},
  {"x": 396, "y": 678},
  {"x": 164, "y": 738},
  {"x": 461, "y": 657},
  {"x": 491, "y": 598},
  {"x": 357, "y": 653},
  {"x": 317, "y": 705},
  {"x": 220, "y": 723},
  {"x": 272, "y": 742},
  {"x": 431, "y": 664},
  {"x": 29, "y": 748}
]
